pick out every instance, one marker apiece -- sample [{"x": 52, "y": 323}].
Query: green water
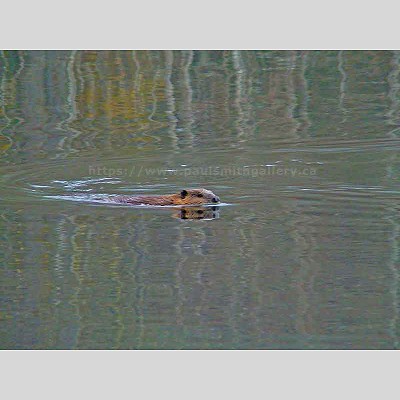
[{"x": 301, "y": 147}]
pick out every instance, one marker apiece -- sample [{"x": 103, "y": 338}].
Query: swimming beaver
[{"x": 185, "y": 197}]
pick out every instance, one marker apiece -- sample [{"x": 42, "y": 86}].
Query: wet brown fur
[{"x": 185, "y": 197}]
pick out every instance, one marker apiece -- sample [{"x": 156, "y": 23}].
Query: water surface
[{"x": 301, "y": 147}]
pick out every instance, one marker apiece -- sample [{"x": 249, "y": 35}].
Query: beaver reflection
[{"x": 197, "y": 212}]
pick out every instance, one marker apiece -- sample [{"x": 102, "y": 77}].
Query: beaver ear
[{"x": 184, "y": 193}]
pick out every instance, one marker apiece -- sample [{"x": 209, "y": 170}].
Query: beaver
[{"x": 185, "y": 197}]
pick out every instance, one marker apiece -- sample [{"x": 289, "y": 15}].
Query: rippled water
[{"x": 301, "y": 147}]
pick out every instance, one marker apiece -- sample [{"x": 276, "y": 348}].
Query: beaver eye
[{"x": 200, "y": 195}]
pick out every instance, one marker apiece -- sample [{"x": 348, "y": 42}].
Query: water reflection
[
  {"x": 206, "y": 213},
  {"x": 296, "y": 260}
]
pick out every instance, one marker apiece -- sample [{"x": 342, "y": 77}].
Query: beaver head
[{"x": 195, "y": 196}]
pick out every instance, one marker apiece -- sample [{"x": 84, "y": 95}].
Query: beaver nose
[{"x": 215, "y": 199}]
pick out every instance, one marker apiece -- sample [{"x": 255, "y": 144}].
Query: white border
[
  {"x": 179, "y": 24},
  {"x": 199, "y": 374}
]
